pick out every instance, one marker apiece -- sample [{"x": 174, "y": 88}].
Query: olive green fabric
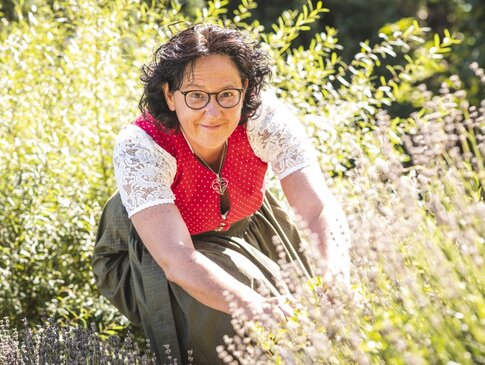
[{"x": 128, "y": 276}]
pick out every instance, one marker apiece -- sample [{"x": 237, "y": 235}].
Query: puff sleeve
[
  {"x": 144, "y": 171},
  {"x": 278, "y": 138}
]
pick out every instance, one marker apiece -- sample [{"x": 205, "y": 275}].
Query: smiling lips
[{"x": 210, "y": 126}]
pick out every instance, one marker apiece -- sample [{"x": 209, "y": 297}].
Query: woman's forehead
[{"x": 212, "y": 69}]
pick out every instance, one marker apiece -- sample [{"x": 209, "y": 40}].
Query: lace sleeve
[
  {"x": 277, "y": 137},
  {"x": 144, "y": 171}
]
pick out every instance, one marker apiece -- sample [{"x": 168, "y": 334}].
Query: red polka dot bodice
[{"x": 197, "y": 202}]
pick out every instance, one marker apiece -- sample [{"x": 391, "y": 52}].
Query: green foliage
[
  {"x": 290, "y": 24},
  {"x": 70, "y": 79},
  {"x": 412, "y": 185},
  {"x": 418, "y": 294},
  {"x": 358, "y": 20}
]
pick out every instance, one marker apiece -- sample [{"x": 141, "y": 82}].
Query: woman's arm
[
  {"x": 165, "y": 235},
  {"x": 163, "y": 231},
  {"x": 311, "y": 199}
]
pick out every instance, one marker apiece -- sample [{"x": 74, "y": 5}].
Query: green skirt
[{"x": 172, "y": 320}]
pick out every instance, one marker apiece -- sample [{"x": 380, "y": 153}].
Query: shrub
[
  {"x": 412, "y": 187},
  {"x": 418, "y": 253}
]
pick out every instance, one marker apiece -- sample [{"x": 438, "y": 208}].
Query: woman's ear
[{"x": 169, "y": 96}]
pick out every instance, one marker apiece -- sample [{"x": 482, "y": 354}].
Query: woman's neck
[{"x": 211, "y": 157}]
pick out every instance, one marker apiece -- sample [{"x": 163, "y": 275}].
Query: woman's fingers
[{"x": 281, "y": 307}]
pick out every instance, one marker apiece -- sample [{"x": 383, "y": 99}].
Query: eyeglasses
[{"x": 198, "y": 99}]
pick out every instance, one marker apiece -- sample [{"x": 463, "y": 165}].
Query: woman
[{"x": 192, "y": 221}]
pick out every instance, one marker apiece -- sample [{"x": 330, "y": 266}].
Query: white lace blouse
[{"x": 144, "y": 171}]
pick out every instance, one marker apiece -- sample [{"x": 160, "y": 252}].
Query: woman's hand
[{"x": 279, "y": 308}]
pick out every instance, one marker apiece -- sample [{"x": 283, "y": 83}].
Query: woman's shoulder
[
  {"x": 273, "y": 114},
  {"x": 144, "y": 171},
  {"x": 277, "y": 136},
  {"x": 134, "y": 141},
  {"x": 264, "y": 113},
  {"x": 132, "y": 134},
  {"x": 143, "y": 131}
]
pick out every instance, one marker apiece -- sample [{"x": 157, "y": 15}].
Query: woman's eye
[
  {"x": 196, "y": 95},
  {"x": 227, "y": 94}
]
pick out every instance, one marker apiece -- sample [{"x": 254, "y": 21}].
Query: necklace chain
[
  {"x": 219, "y": 184},
  {"x": 220, "y": 164}
]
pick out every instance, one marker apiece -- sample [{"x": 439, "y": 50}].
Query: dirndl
[{"x": 173, "y": 321}]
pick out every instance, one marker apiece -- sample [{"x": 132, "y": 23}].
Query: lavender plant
[
  {"x": 52, "y": 344},
  {"x": 418, "y": 295}
]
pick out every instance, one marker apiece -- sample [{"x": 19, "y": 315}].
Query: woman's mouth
[{"x": 210, "y": 126}]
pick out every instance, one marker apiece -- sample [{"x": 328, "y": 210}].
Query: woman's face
[{"x": 208, "y": 128}]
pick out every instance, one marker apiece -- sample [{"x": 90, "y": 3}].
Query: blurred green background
[{"x": 359, "y": 20}]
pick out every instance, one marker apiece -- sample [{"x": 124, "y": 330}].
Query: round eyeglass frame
[{"x": 184, "y": 93}]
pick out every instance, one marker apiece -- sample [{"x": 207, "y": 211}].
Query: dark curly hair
[{"x": 173, "y": 58}]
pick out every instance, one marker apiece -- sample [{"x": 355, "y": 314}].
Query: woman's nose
[{"x": 213, "y": 108}]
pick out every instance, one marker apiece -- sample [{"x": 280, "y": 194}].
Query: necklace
[{"x": 219, "y": 184}]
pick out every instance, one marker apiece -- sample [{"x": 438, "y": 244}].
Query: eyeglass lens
[{"x": 198, "y": 99}]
